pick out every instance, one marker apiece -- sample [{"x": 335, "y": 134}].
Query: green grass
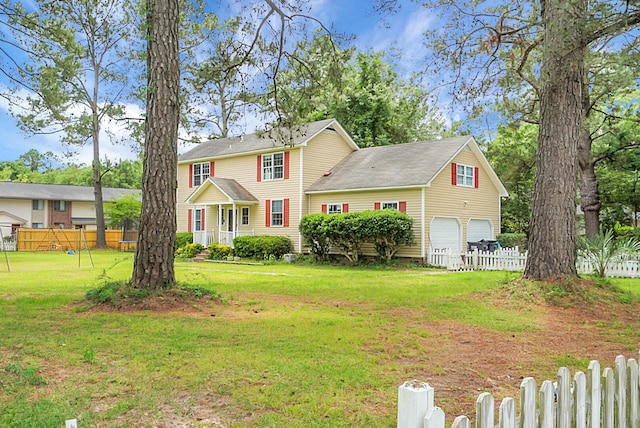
[{"x": 288, "y": 346}]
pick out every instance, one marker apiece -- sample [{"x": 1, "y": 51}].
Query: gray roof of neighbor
[
  {"x": 399, "y": 165},
  {"x": 253, "y": 142},
  {"x": 233, "y": 189},
  {"x": 58, "y": 192}
]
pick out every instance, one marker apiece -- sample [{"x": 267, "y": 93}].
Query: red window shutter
[
  {"x": 324, "y": 208},
  {"x": 376, "y": 205},
  {"x": 286, "y": 165},
  {"x": 402, "y": 206},
  {"x": 202, "y": 219},
  {"x": 189, "y": 220},
  {"x": 454, "y": 174},
  {"x": 475, "y": 177},
  {"x": 285, "y": 213},
  {"x": 267, "y": 210},
  {"x": 345, "y": 208},
  {"x": 212, "y": 169},
  {"x": 191, "y": 175},
  {"x": 259, "y": 168}
]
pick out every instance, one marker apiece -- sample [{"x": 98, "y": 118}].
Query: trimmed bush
[
  {"x": 314, "y": 231},
  {"x": 262, "y": 247},
  {"x": 189, "y": 250},
  {"x": 183, "y": 238},
  {"x": 219, "y": 251},
  {"x": 390, "y": 229}
]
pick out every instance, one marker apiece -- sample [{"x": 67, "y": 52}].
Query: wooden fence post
[
  {"x": 608, "y": 393},
  {"x": 507, "y": 417},
  {"x": 547, "y": 403},
  {"x": 415, "y": 399},
  {"x": 461, "y": 422},
  {"x": 580, "y": 400},
  {"x": 434, "y": 418},
  {"x": 564, "y": 398}
]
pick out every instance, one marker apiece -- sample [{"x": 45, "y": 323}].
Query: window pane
[
  {"x": 334, "y": 209},
  {"x": 276, "y": 213}
]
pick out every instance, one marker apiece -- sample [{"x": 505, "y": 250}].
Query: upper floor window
[
  {"x": 273, "y": 166},
  {"x": 59, "y": 206},
  {"x": 201, "y": 172},
  {"x": 465, "y": 175},
  {"x": 38, "y": 205}
]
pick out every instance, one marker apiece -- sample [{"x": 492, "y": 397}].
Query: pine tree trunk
[
  {"x": 589, "y": 194},
  {"x": 154, "y": 260},
  {"x": 552, "y": 232}
]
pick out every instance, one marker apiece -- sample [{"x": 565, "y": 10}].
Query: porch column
[{"x": 235, "y": 220}]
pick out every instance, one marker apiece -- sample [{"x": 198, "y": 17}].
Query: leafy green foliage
[
  {"x": 123, "y": 210},
  {"x": 262, "y": 247},
  {"x": 189, "y": 251},
  {"x": 183, "y": 238},
  {"x": 219, "y": 251},
  {"x": 314, "y": 231},
  {"x": 512, "y": 240},
  {"x": 604, "y": 249},
  {"x": 26, "y": 373},
  {"x": 387, "y": 230}
]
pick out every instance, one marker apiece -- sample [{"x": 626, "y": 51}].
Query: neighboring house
[
  {"x": 50, "y": 205},
  {"x": 258, "y": 185}
]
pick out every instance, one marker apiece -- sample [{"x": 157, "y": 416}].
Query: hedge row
[
  {"x": 387, "y": 230},
  {"x": 262, "y": 246}
]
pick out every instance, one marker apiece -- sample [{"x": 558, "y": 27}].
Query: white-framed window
[
  {"x": 244, "y": 216},
  {"x": 334, "y": 208},
  {"x": 37, "y": 225},
  {"x": 59, "y": 206},
  {"x": 277, "y": 212},
  {"x": 201, "y": 172},
  {"x": 197, "y": 220},
  {"x": 37, "y": 205},
  {"x": 273, "y": 166},
  {"x": 464, "y": 175},
  {"x": 390, "y": 205},
  {"x": 59, "y": 225}
]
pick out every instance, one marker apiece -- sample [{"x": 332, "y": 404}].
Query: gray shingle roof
[
  {"x": 55, "y": 192},
  {"x": 253, "y": 142},
  {"x": 400, "y": 165},
  {"x": 233, "y": 189}
]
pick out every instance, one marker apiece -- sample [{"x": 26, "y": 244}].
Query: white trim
[
  {"x": 300, "y": 196},
  {"x": 367, "y": 189},
  {"x": 423, "y": 222}
]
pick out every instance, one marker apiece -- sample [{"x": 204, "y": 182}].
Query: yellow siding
[{"x": 445, "y": 199}]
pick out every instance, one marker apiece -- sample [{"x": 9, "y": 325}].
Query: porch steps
[{"x": 202, "y": 256}]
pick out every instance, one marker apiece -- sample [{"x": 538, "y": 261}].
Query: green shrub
[
  {"x": 189, "y": 250},
  {"x": 389, "y": 230},
  {"x": 512, "y": 240},
  {"x": 313, "y": 228},
  {"x": 262, "y": 246},
  {"x": 219, "y": 251},
  {"x": 183, "y": 238}
]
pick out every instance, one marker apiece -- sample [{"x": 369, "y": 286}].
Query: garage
[
  {"x": 479, "y": 229},
  {"x": 445, "y": 233}
]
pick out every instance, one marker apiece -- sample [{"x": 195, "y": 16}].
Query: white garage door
[
  {"x": 479, "y": 229},
  {"x": 445, "y": 233}
]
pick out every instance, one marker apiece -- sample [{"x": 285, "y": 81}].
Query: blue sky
[{"x": 402, "y": 30}]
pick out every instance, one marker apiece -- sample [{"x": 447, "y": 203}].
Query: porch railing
[{"x": 225, "y": 237}]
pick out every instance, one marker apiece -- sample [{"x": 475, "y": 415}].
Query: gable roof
[
  {"x": 55, "y": 192},
  {"x": 8, "y": 215},
  {"x": 399, "y": 166},
  {"x": 262, "y": 141},
  {"x": 229, "y": 187}
]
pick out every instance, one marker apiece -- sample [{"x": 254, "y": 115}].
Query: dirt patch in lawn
[{"x": 459, "y": 360}]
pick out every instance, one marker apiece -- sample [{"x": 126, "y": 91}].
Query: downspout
[
  {"x": 423, "y": 223},
  {"x": 301, "y": 195}
]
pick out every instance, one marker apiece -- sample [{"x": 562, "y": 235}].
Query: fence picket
[
  {"x": 580, "y": 400},
  {"x": 547, "y": 405},
  {"x": 507, "y": 416},
  {"x": 633, "y": 393},
  {"x": 594, "y": 392},
  {"x": 608, "y": 396},
  {"x": 484, "y": 410},
  {"x": 434, "y": 418},
  {"x": 528, "y": 403},
  {"x": 621, "y": 391},
  {"x": 461, "y": 422}
]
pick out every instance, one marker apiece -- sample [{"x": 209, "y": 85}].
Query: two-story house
[{"x": 262, "y": 184}]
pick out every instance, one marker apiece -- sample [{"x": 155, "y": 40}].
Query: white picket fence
[
  {"x": 610, "y": 399},
  {"x": 511, "y": 259}
]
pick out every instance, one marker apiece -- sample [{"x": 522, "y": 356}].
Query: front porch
[{"x": 206, "y": 238}]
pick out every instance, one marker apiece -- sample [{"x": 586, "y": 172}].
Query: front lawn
[{"x": 286, "y": 345}]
